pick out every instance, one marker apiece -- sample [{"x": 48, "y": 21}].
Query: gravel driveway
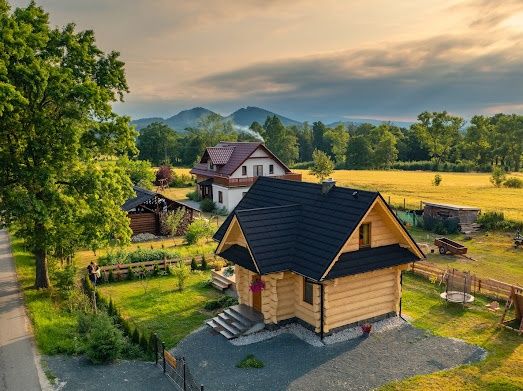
[
  {"x": 292, "y": 364},
  {"x": 76, "y": 373}
]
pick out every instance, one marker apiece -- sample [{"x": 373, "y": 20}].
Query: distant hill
[
  {"x": 242, "y": 118},
  {"x": 247, "y": 115},
  {"x": 187, "y": 118},
  {"x": 357, "y": 121}
]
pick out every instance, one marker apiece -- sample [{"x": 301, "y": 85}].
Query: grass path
[{"x": 502, "y": 370}]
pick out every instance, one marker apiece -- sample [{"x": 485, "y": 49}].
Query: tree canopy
[
  {"x": 57, "y": 129},
  {"x": 157, "y": 143}
]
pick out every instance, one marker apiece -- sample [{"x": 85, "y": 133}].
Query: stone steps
[
  {"x": 220, "y": 282},
  {"x": 235, "y": 321}
]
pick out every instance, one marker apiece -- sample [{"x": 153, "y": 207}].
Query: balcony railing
[{"x": 244, "y": 182}]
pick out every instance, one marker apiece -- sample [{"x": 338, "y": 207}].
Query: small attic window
[
  {"x": 244, "y": 170},
  {"x": 365, "y": 235},
  {"x": 271, "y": 168}
]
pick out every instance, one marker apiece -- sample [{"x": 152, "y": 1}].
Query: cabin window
[
  {"x": 271, "y": 168},
  {"x": 244, "y": 170},
  {"x": 211, "y": 166},
  {"x": 220, "y": 197},
  {"x": 258, "y": 170},
  {"x": 365, "y": 235},
  {"x": 308, "y": 288}
]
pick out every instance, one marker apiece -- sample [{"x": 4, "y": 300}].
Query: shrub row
[
  {"x": 140, "y": 255},
  {"x": 429, "y": 165},
  {"x": 495, "y": 221},
  {"x": 441, "y": 226}
]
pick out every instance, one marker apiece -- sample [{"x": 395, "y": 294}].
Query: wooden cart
[{"x": 446, "y": 245}]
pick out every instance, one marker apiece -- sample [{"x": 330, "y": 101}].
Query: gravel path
[
  {"x": 76, "y": 373},
  {"x": 292, "y": 364}
]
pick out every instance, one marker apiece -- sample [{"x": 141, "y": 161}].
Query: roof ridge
[{"x": 268, "y": 207}]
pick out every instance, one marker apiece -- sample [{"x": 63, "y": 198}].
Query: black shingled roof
[
  {"x": 142, "y": 195},
  {"x": 240, "y": 256},
  {"x": 368, "y": 259},
  {"x": 291, "y": 225}
]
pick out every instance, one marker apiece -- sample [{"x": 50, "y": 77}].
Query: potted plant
[
  {"x": 257, "y": 286},
  {"x": 366, "y": 328}
]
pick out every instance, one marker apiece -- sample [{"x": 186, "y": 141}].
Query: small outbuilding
[
  {"x": 145, "y": 210},
  {"x": 466, "y": 216}
]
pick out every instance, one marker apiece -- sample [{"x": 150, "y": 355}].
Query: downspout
[{"x": 321, "y": 311}]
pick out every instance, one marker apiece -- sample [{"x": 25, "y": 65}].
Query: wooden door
[{"x": 256, "y": 296}]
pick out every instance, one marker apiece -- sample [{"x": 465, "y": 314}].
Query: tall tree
[
  {"x": 280, "y": 140},
  {"x": 157, "y": 143},
  {"x": 337, "y": 140},
  {"x": 359, "y": 152},
  {"x": 384, "y": 142},
  {"x": 304, "y": 136},
  {"x": 439, "y": 132},
  {"x": 257, "y": 128},
  {"x": 56, "y": 129},
  {"x": 318, "y": 131}
]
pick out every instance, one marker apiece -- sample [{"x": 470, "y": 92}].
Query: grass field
[
  {"x": 472, "y": 189},
  {"x": 494, "y": 254},
  {"x": 162, "y": 308},
  {"x": 503, "y": 367}
]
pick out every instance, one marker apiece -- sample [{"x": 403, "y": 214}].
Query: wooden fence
[
  {"x": 486, "y": 286},
  {"x": 120, "y": 271}
]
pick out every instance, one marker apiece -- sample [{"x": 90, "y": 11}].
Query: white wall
[
  {"x": 259, "y": 157},
  {"x": 231, "y": 197}
]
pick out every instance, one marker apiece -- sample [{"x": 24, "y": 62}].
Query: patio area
[{"x": 292, "y": 364}]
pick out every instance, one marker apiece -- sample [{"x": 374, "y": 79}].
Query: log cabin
[{"x": 325, "y": 256}]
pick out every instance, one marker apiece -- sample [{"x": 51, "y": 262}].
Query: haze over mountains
[{"x": 243, "y": 117}]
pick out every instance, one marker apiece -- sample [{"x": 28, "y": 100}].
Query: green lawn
[
  {"x": 503, "y": 367},
  {"x": 163, "y": 309},
  {"x": 54, "y": 328},
  {"x": 494, "y": 254}
]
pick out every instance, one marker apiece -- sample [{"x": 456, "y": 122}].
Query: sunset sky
[{"x": 311, "y": 60}]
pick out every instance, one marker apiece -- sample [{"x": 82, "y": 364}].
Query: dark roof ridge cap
[
  {"x": 343, "y": 188},
  {"x": 144, "y": 190}
]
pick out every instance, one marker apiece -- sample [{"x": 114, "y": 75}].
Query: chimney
[{"x": 327, "y": 185}]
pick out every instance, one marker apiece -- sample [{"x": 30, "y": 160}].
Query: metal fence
[{"x": 175, "y": 368}]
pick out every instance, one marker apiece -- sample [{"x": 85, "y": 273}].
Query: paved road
[{"x": 18, "y": 369}]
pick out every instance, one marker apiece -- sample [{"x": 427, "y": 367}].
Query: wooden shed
[
  {"x": 325, "y": 256},
  {"x": 464, "y": 214},
  {"x": 145, "y": 209}
]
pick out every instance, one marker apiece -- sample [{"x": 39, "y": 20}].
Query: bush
[
  {"x": 437, "y": 180},
  {"x": 204, "y": 265},
  {"x": 200, "y": 228},
  {"x": 498, "y": 176},
  {"x": 164, "y": 172},
  {"x": 250, "y": 362},
  {"x": 514, "y": 183},
  {"x": 302, "y": 165},
  {"x": 493, "y": 221},
  {"x": 84, "y": 323},
  {"x": 429, "y": 165},
  {"x": 222, "y": 302},
  {"x": 104, "y": 341},
  {"x": 441, "y": 226},
  {"x": 181, "y": 180},
  {"x": 65, "y": 280},
  {"x": 181, "y": 272},
  {"x": 140, "y": 172},
  {"x": 113, "y": 258},
  {"x": 207, "y": 205},
  {"x": 194, "y": 265},
  {"x": 193, "y": 196},
  {"x": 172, "y": 220}
]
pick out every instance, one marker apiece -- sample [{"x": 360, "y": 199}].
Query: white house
[{"x": 227, "y": 171}]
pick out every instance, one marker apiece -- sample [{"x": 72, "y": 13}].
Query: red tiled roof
[
  {"x": 220, "y": 155},
  {"x": 240, "y": 151}
]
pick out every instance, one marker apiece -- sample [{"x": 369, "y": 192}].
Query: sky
[{"x": 310, "y": 60}]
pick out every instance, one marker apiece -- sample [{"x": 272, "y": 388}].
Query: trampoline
[
  {"x": 458, "y": 287},
  {"x": 457, "y": 297}
]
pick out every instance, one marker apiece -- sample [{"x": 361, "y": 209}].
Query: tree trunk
[{"x": 42, "y": 274}]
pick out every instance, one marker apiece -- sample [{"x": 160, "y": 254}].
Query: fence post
[
  {"x": 389, "y": 200},
  {"x": 184, "y": 378},
  {"x": 163, "y": 356},
  {"x": 156, "y": 348},
  {"x": 404, "y": 204}
]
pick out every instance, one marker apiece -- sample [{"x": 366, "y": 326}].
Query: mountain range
[{"x": 243, "y": 117}]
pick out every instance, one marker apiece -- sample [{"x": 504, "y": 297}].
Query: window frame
[
  {"x": 305, "y": 293},
  {"x": 369, "y": 237},
  {"x": 255, "y": 170},
  {"x": 271, "y": 168},
  {"x": 220, "y": 196},
  {"x": 244, "y": 170}
]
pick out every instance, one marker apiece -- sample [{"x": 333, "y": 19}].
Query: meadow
[{"x": 472, "y": 189}]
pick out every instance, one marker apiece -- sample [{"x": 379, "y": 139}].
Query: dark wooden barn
[{"x": 145, "y": 210}]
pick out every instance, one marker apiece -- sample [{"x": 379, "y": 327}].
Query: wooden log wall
[
  {"x": 143, "y": 223},
  {"x": 363, "y": 296}
]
